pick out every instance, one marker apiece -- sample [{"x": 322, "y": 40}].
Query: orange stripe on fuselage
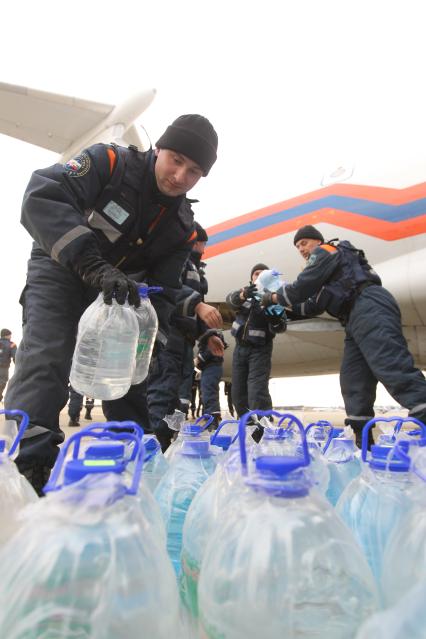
[
  {"x": 353, "y": 222},
  {"x": 379, "y": 194}
]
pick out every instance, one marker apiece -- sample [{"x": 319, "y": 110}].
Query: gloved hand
[
  {"x": 113, "y": 283},
  {"x": 275, "y": 310},
  {"x": 249, "y": 291}
]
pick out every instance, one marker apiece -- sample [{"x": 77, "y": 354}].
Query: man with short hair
[
  {"x": 7, "y": 355},
  {"x": 338, "y": 279},
  {"x": 107, "y": 219},
  {"x": 254, "y": 331}
]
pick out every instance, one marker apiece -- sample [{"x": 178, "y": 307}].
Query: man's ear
[{"x": 156, "y": 151}]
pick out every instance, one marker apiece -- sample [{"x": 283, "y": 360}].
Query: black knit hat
[
  {"x": 193, "y": 136},
  {"x": 201, "y": 233},
  {"x": 307, "y": 232},
  {"x": 258, "y": 267}
]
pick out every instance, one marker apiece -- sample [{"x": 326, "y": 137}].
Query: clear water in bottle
[
  {"x": 86, "y": 562},
  {"x": 344, "y": 465},
  {"x": 104, "y": 356},
  {"x": 283, "y": 564},
  {"x": 190, "y": 469},
  {"x": 269, "y": 279},
  {"x": 148, "y": 327}
]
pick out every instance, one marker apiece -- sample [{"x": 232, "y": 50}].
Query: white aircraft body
[{"x": 379, "y": 205}]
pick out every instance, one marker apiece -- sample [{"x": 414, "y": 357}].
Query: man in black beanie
[
  {"x": 106, "y": 219},
  {"x": 338, "y": 279},
  {"x": 254, "y": 331}
]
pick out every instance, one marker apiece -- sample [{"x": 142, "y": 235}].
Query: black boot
[
  {"x": 87, "y": 415},
  {"x": 73, "y": 422}
]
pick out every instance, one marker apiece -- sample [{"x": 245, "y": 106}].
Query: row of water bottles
[
  {"x": 114, "y": 346},
  {"x": 250, "y": 530}
]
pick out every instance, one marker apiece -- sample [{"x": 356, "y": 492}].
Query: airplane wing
[{"x": 45, "y": 119}]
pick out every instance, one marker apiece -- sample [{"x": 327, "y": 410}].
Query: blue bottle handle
[
  {"x": 153, "y": 452},
  {"x": 106, "y": 433},
  {"x": 399, "y": 420},
  {"x": 266, "y": 413},
  {"x": 145, "y": 291},
  {"x": 207, "y": 417},
  {"x": 52, "y": 484},
  {"x": 219, "y": 428},
  {"x": 25, "y": 420}
]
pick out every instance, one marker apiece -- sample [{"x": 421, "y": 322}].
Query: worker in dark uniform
[
  {"x": 170, "y": 380},
  {"x": 106, "y": 218},
  {"x": 7, "y": 355},
  {"x": 338, "y": 279},
  {"x": 254, "y": 331},
  {"x": 75, "y": 405},
  {"x": 211, "y": 367}
]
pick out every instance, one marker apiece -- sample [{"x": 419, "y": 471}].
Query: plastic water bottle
[
  {"x": 148, "y": 327},
  {"x": 208, "y": 510},
  {"x": 344, "y": 465},
  {"x": 84, "y": 563},
  {"x": 191, "y": 432},
  {"x": 104, "y": 356},
  {"x": 175, "y": 492},
  {"x": 270, "y": 280},
  {"x": 282, "y": 564},
  {"x": 15, "y": 491},
  {"x": 405, "y": 620},
  {"x": 373, "y": 503},
  {"x": 404, "y": 561},
  {"x": 155, "y": 465}
]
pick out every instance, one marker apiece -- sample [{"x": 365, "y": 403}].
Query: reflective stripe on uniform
[
  {"x": 417, "y": 409},
  {"x": 187, "y": 302},
  {"x": 257, "y": 333},
  {"x": 97, "y": 221},
  {"x": 33, "y": 431},
  {"x": 161, "y": 337},
  {"x": 236, "y": 326},
  {"x": 66, "y": 239},
  {"x": 360, "y": 418},
  {"x": 192, "y": 275}
]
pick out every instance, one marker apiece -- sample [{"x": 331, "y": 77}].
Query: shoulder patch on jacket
[{"x": 78, "y": 166}]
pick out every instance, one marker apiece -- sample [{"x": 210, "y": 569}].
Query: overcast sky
[{"x": 291, "y": 88}]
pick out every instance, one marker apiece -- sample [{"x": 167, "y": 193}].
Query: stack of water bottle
[
  {"x": 301, "y": 535},
  {"x": 114, "y": 346}
]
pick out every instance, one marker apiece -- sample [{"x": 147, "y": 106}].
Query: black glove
[
  {"x": 249, "y": 291},
  {"x": 113, "y": 283}
]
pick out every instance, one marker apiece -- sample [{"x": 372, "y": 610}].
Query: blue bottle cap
[
  {"x": 150, "y": 442},
  {"x": 383, "y": 459},
  {"x": 2, "y": 445},
  {"x": 105, "y": 449},
  {"x": 76, "y": 469},
  {"x": 191, "y": 429},
  {"x": 276, "y": 476},
  {"x": 277, "y": 466},
  {"x": 224, "y": 441},
  {"x": 200, "y": 448}
]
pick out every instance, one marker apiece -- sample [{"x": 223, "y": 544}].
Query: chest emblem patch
[{"x": 78, "y": 166}]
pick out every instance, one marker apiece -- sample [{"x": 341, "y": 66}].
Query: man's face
[
  {"x": 175, "y": 173},
  {"x": 305, "y": 246},
  {"x": 256, "y": 275},
  {"x": 199, "y": 247}
]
